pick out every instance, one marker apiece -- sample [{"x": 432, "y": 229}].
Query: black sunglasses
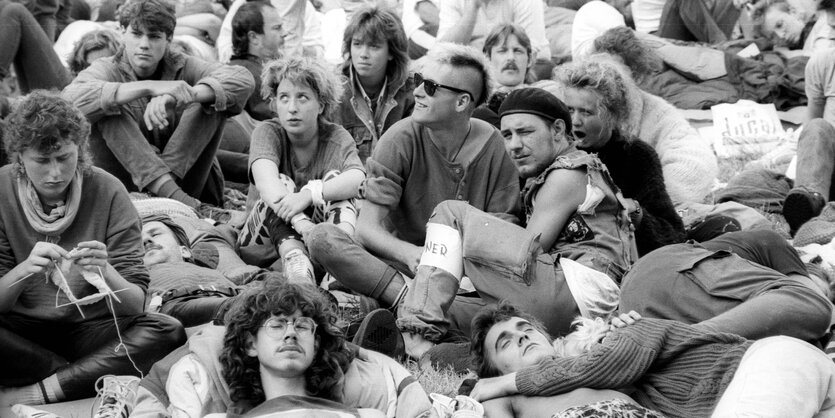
[{"x": 430, "y": 86}]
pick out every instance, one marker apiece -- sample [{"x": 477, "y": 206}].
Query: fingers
[
  {"x": 89, "y": 253},
  {"x": 625, "y": 319},
  {"x": 156, "y": 113}
]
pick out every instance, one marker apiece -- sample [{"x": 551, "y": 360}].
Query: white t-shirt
[
  {"x": 820, "y": 82},
  {"x": 647, "y": 14}
]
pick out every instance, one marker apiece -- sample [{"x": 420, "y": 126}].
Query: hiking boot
[
  {"x": 800, "y": 206},
  {"x": 24, "y": 411},
  {"x": 297, "y": 267},
  {"x": 116, "y": 396},
  {"x": 378, "y": 331}
]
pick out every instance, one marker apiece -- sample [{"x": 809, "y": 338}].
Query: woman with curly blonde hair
[{"x": 300, "y": 147}]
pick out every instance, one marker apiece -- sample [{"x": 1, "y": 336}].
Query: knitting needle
[{"x": 21, "y": 279}]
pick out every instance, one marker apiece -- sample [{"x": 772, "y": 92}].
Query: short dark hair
[
  {"x": 255, "y": 306},
  {"x": 380, "y": 25},
  {"x": 248, "y": 18},
  {"x": 43, "y": 121},
  {"x": 483, "y": 321},
  {"x": 499, "y": 36},
  {"x": 151, "y": 15},
  {"x": 96, "y": 40}
]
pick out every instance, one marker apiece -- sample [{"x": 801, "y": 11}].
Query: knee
[
  {"x": 766, "y": 238},
  {"x": 15, "y": 11},
  {"x": 323, "y": 240},
  {"x": 448, "y": 210},
  {"x": 816, "y": 131},
  {"x": 166, "y": 332}
]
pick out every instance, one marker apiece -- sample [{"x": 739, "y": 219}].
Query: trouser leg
[
  {"x": 27, "y": 46},
  {"x": 23, "y": 360},
  {"x": 145, "y": 338},
  {"x": 816, "y": 157},
  {"x": 191, "y": 149}
]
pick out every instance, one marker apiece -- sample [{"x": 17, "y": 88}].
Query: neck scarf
[{"x": 58, "y": 219}]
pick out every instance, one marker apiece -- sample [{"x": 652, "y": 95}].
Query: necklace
[{"x": 469, "y": 128}]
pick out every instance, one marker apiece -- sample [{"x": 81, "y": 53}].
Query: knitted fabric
[
  {"x": 687, "y": 159},
  {"x": 818, "y": 230},
  {"x": 147, "y": 206},
  {"x": 675, "y": 368}
]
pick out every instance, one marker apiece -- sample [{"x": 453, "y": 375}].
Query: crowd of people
[{"x": 475, "y": 193}]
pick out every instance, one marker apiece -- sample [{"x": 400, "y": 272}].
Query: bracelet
[{"x": 315, "y": 187}]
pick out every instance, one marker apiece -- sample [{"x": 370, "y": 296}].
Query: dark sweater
[
  {"x": 675, "y": 368},
  {"x": 636, "y": 170}
]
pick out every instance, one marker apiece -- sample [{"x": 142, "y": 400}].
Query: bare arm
[
  {"x": 814, "y": 110},
  {"x": 555, "y": 202},
  {"x": 265, "y": 176},
  {"x": 344, "y": 186},
  {"x": 372, "y": 234},
  {"x": 462, "y": 30}
]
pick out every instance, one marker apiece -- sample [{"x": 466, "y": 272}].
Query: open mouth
[{"x": 579, "y": 135}]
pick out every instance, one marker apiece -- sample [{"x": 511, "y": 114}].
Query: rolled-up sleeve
[
  {"x": 94, "y": 90},
  {"x": 232, "y": 84}
]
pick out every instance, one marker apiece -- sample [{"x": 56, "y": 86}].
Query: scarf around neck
[{"x": 58, "y": 219}]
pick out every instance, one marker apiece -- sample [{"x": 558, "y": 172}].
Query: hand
[
  {"x": 412, "y": 259},
  {"x": 89, "y": 253},
  {"x": 624, "y": 319},
  {"x": 42, "y": 254},
  {"x": 494, "y": 387},
  {"x": 293, "y": 204},
  {"x": 416, "y": 346},
  {"x": 182, "y": 93},
  {"x": 156, "y": 113}
]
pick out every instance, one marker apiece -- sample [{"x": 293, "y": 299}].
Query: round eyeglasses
[{"x": 277, "y": 327}]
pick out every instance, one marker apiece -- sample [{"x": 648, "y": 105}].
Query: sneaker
[
  {"x": 297, "y": 267},
  {"x": 24, "y": 411},
  {"x": 378, "y": 331},
  {"x": 116, "y": 396},
  {"x": 800, "y": 206}
]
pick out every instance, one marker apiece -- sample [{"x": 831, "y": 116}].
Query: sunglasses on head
[{"x": 431, "y": 87}]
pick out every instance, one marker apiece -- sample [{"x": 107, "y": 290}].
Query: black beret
[{"x": 536, "y": 102}]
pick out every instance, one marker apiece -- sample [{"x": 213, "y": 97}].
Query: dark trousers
[
  {"x": 24, "y": 44},
  {"x": 691, "y": 20},
  {"x": 79, "y": 353}
]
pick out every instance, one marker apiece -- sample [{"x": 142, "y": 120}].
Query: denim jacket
[
  {"x": 356, "y": 116},
  {"x": 599, "y": 234}
]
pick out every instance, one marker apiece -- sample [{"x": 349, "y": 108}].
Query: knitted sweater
[
  {"x": 688, "y": 161},
  {"x": 105, "y": 214},
  {"x": 636, "y": 170},
  {"x": 675, "y": 368}
]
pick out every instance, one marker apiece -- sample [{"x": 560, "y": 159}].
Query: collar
[{"x": 357, "y": 86}]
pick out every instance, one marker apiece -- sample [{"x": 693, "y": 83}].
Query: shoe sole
[
  {"x": 379, "y": 332},
  {"x": 797, "y": 210}
]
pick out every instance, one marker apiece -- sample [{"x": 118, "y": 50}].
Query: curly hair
[
  {"x": 307, "y": 71},
  {"x": 622, "y": 42},
  {"x": 482, "y": 322},
  {"x": 379, "y": 25},
  {"x": 604, "y": 79},
  {"x": 498, "y": 36},
  {"x": 151, "y": 15},
  {"x": 249, "y": 312},
  {"x": 760, "y": 10},
  {"x": 460, "y": 56},
  {"x": 97, "y": 40},
  {"x": 44, "y": 121}
]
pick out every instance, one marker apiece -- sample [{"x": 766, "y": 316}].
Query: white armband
[{"x": 315, "y": 187}]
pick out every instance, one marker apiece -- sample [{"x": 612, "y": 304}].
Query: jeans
[
  {"x": 32, "y": 350},
  {"x": 25, "y": 45},
  {"x": 780, "y": 377},
  {"x": 503, "y": 261},
  {"x": 816, "y": 158},
  {"x": 690, "y": 20},
  {"x": 125, "y": 148},
  {"x": 195, "y": 309},
  {"x": 233, "y": 154}
]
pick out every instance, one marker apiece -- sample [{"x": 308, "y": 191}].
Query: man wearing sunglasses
[{"x": 437, "y": 154}]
